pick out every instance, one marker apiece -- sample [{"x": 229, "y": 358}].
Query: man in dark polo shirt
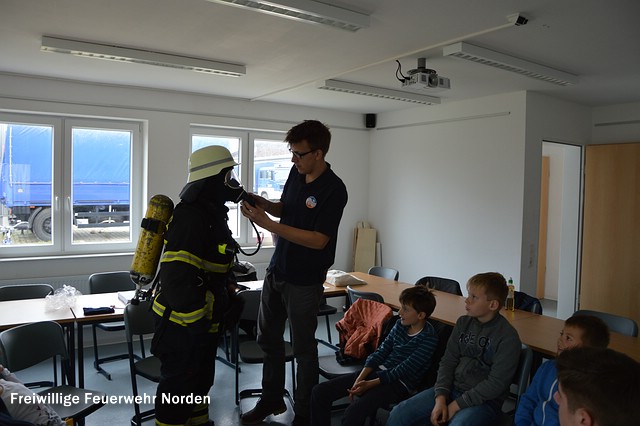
[{"x": 310, "y": 210}]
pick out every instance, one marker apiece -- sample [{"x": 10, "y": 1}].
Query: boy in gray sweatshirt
[{"x": 477, "y": 368}]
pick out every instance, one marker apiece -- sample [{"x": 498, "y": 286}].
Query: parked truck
[
  {"x": 270, "y": 176},
  {"x": 101, "y": 178}
]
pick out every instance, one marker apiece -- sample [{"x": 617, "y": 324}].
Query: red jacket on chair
[{"x": 361, "y": 328}]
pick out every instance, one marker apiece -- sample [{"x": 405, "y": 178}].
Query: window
[
  {"x": 68, "y": 185},
  {"x": 264, "y": 165}
]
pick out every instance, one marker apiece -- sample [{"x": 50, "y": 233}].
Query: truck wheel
[{"x": 42, "y": 225}]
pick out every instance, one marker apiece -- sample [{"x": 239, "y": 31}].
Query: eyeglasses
[{"x": 299, "y": 155}]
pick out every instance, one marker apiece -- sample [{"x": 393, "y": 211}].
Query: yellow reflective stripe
[
  {"x": 180, "y": 318},
  {"x": 184, "y": 319},
  {"x": 222, "y": 248},
  {"x": 186, "y": 257}
]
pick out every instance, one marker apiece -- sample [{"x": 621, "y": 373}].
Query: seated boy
[
  {"x": 597, "y": 387},
  {"x": 537, "y": 406},
  {"x": 477, "y": 367},
  {"x": 390, "y": 373},
  {"x": 38, "y": 414}
]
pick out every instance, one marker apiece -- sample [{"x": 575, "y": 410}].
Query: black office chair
[
  {"x": 353, "y": 295},
  {"x": 30, "y": 344},
  {"x": 249, "y": 351},
  {"x": 325, "y": 310},
  {"x": 108, "y": 282},
  {"x": 138, "y": 323},
  {"x": 384, "y": 272},
  {"x": 617, "y": 323},
  {"x": 518, "y": 386},
  {"x": 24, "y": 291},
  {"x": 527, "y": 303},
  {"x": 441, "y": 284}
]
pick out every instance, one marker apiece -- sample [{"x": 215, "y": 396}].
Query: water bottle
[{"x": 511, "y": 298}]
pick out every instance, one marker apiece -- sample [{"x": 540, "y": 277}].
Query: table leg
[
  {"x": 72, "y": 351},
  {"x": 80, "y": 356}
]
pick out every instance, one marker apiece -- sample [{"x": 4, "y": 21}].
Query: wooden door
[{"x": 610, "y": 278}]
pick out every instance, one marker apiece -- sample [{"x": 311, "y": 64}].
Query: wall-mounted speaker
[{"x": 370, "y": 121}]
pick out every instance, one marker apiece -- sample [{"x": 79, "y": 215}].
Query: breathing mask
[{"x": 232, "y": 182}]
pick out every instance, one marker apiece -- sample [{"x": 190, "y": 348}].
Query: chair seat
[
  {"x": 251, "y": 353},
  {"x": 326, "y": 309},
  {"x": 330, "y": 368},
  {"x": 76, "y": 411},
  {"x": 149, "y": 368},
  {"x": 111, "y": 326}
]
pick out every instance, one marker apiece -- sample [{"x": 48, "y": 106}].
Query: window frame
[
  {"x": 247, "y": 139},
  {"x": 61, "y": 206}
]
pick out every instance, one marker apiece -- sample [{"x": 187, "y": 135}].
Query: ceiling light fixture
[
  {"x": 306, "y": 11},
  {"x": 378, "y": 92},
  {"x": 139, "y": 56},
  {"x": 509, "y": 63}
]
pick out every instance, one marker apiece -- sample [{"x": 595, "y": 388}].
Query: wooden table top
[
  {"x": 540, "y": 332},
  {"x": 98, "y": 301}
]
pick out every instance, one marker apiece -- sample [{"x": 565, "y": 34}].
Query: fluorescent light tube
[
  {"x": 307, "y": 11},
  {"x": 378, "y": 92},
  {"x": 139, "y": 56},
  {"x": 509, "y": 63}
]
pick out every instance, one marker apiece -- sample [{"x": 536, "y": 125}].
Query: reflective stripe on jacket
[{"x": 185, "y": 319}]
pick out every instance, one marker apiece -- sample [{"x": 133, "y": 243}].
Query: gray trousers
[{"x": 281, "y": 300}]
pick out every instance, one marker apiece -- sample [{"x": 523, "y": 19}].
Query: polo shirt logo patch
[{"x": 311, "y": 202}]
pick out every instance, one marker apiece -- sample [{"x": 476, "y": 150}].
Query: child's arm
[
  {"x": 411, "y": 360},
  {"x": 532, "y": 397}
]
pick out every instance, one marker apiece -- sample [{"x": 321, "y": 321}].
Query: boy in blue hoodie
[{"x": 537, "y": 406}]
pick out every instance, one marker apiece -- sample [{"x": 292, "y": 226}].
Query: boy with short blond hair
[
  {"x": 477, "y": 367},
  {"x": 537, "y": 406}
]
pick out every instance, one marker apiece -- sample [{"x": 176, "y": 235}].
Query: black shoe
[
  {"x": 262, "y": 410},
  {"x": 301, "y": 421}
]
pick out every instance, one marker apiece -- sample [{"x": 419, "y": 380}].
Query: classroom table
[
  {"x": 540, "y": 332},
  {"x": 18, "y": 312},
  {"x": 94, "y": 301}
]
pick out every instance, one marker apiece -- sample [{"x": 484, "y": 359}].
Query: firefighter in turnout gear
[{"x": 194, "y": 291}]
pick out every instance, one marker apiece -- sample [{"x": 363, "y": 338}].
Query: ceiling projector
[{"x": 425, "y": 79}]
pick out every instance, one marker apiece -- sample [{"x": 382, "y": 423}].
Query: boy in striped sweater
[{"x": 390, "y": 374}]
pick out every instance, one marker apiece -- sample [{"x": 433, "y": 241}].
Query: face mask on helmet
[{"x": 232, "y": 182}]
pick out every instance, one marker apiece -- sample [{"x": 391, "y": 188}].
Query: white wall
[
  {"x": 167, "y": 117},
  {"x": 447, "y": 187},
  {"x": 616, "y": 123}
]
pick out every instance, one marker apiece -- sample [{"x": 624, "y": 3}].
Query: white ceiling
[{"x": 595, "y": 39}]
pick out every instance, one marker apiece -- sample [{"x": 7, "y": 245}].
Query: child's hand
[{"x": 359, "y": 388}]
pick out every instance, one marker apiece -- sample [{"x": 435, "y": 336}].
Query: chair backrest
[
  {"x": 617, "y": 323},
  {"x": 441, "y": 284},
  {"x": 138, "y": 319},
  {"x": 384, "y": 272},
  {"x": 109, "y": 282},
  {"x": 523, "y": 373},
  {"x": 27, "y": 345},
  {"x": 24, "y": 291},
  {"x": 251, "y": 300},
  {"x": 354, "y": 295},
  {"x": 444, "y": 332},
  {"x": 527, "y": 303}
]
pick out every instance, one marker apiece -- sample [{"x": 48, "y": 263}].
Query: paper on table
[{"x": 126, "y": 296}]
